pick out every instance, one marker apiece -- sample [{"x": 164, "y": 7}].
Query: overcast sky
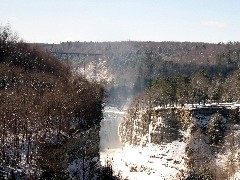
[{"x": 54, "y": 21}]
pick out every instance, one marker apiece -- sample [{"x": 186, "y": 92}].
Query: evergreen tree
[{"x": 216, "y": 129}]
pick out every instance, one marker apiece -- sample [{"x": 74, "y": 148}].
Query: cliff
[{"x": 207, "y": 136}]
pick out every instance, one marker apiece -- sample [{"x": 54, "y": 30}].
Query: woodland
[
  {"x": 50, "y": 115},
  {"x": 176, "y": 72}
]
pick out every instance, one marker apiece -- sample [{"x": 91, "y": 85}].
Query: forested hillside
[
  {"x": 129, "y": 67},
  {"x": 45, "y": 111}
]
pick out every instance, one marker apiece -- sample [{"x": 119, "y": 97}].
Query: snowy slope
[
  {"x": 172, "y": 160},
  {"x": 153, "y": 161}
]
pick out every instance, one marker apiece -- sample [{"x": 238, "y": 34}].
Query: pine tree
[{"x": 216, "y": 129}]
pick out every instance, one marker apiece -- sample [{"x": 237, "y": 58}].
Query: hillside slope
[
  {"x": 127, "y": 68},
  {"x": 46, "y": 113}
]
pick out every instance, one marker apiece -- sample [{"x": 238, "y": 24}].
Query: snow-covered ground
[
  {"x": 150, "y": 162},
  {"x": 96, "y": 71},
  {"x": 228, "y": 105},
  {"x": 166, "y": 161},
  {"x": 135, "y": 162}
]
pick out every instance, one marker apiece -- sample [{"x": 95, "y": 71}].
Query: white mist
[{"x": 109, "y": 138}]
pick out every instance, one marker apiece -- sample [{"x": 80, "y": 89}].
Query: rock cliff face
[
  {"x": 209, "y": 135},
  {"x": 151, "y": 126},
  {"x": 165, "y": 125}
]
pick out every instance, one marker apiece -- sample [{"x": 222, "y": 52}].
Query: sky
[{"x": 55, "y": 21}]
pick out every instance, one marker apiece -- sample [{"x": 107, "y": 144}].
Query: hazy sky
[{"x": 55, "y": 21}]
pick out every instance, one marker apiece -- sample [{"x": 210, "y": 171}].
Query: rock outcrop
[{"x": 210, "y": 136}]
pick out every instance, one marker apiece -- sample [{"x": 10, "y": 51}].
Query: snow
[
  {"x": 150, "y": 162},
  {"x": 96, "y": 71},
  {"x": 135, "y": 162},
  {"x": 167, "y": 160},
  {"x": 110, "y": 109},
  {"x": 228, "y": 160},
  {"x": 236, "y": 176},
  {"x": 228, "y": 105}
]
